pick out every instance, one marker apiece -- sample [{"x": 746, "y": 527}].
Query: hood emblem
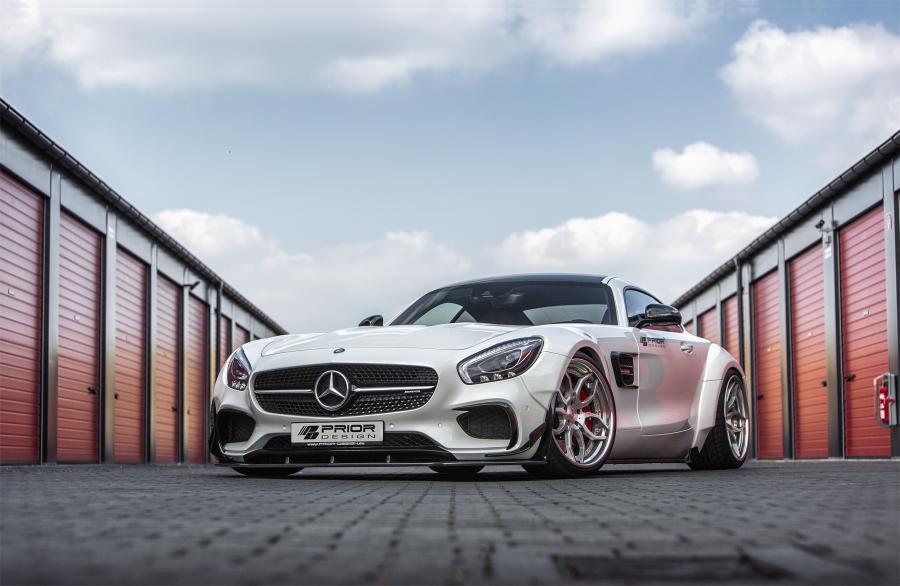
[
  {"x": 338, "y": 350},
  {"x": 332, "y": 390}
]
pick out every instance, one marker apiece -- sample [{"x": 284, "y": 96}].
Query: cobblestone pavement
[{"x": 815, "y": 522}]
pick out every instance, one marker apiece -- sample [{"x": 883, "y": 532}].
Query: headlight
[
  {"x": 237, "y": 375},
  {"x": 503, "y": 361}
]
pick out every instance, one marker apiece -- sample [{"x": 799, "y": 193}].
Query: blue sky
[{"x": 334, "y": 160}]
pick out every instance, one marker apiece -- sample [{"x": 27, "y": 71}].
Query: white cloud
[
  {"x": 321, "y": 290},
  {"x": 352, "y": 46},
  {"x": 703, "y": 166},
  {"x": 336, "y": 287},
  {"x": 667, "y": 256},
  {"x": 578, "y": 32},
  {"x": 828, "y": 84}
]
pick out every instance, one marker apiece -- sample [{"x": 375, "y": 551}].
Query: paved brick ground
[{"x": 816, "y": 522}]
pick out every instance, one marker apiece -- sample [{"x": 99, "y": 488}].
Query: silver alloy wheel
[
  {"x": 583, "y": 415},
  {"x": 737, "y": 419}
]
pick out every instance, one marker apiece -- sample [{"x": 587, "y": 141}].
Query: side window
[{"x": 636, "y": 303}]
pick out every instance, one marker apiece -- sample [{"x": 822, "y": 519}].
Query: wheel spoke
[
  {"x": 590, "y": 434},
  {"x": 568, "y": 438},
  {"x": 580, "y": 440},
  {"x": 598, "y": 419},
  {"x": 561, "y": 428},
  {"x": 589, "y": 399}
]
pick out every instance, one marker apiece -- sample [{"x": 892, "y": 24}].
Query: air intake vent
[
  {"x": 488, "y": 422},
  {"x": 623, "y": 369},
  {"x": 234, "y": 427}
]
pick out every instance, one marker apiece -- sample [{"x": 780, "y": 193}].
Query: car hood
[{"x": 440, "y": 337}]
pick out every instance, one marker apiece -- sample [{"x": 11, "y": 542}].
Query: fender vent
[
  {"x": 623, "y": 369},
  {"x": 488, "y": 422}
]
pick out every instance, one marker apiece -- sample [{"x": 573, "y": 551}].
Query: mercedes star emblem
[{"x": 332, "y": 390}]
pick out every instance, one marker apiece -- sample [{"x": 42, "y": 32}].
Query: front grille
[
  {"x": 392, "y": 441},
  {"x": 360, "y": 375},
  {"x": 488, "y": 422},
  {"x": 359, "y": 403}
]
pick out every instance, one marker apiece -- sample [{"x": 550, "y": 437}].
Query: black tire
[
  {"x": 457, "y": 471},
  {"x": 557, "y": 465},
  {"x": 717, "y": 453},
  {"x": 267, "y": 472}
]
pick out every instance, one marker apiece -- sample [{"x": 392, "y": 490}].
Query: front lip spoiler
[{"x": 458, "y": 463}]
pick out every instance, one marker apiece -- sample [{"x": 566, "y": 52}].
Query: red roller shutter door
[
  {"x": 863, "y": 332},
  {"x": 21, "y": 320},
  {"x": 732, "y": 331},
  {"x": 168, "y": 318},
  {"x": 224, "y": 339},
  {"x": 241, "y": 337},
  {"x": 808, "y": 354},
  {"x": 709, "y": 326},
  {"x": 131, "y": 340},
  {"x": 768, "y": 367},
  {"x": 79, "y": 342},
  {"x": 196, "y": 363}
]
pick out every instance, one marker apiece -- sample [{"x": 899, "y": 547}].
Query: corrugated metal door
[
  {"x": 732, "y": 331},
  {"x": 807, "y": 293},
  {"x": 864, "y": 332},
  {"x": 241, "y": 337},
  {"x": 767, "y": 349},
  {"x": 224, "y": 339},
  {"x": 709, "y": 326},
  {"x": 131, "y": 344},
  {"x": 79, "y": 342},
  {"x": 197, "y": 367},
  {"x": 21, "y": 320},
  {"x": 168, "y": 318}
]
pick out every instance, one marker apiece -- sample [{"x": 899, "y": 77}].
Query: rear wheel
[
  {"x": 267, "y": 472},
  {"x": 582, "y": 423},
  {"x": 457, "y": 471},
  {"x": 726, "y": 445}
]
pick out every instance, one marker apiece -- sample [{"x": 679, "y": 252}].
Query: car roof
[{"x": 545, "y": 277}]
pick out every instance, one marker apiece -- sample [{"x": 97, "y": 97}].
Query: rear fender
[{"x": 718, "y": 364}]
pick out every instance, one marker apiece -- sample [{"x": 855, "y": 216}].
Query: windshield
[{"x": 516, "y": 303}]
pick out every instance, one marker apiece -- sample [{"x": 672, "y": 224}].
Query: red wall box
[
  {"x": 168, "y": 318},
  {"x": 131, "y": 344},
  {"x": 224, "y": 339},
  {"x": 709, "y": 326},
  {"x": 79, "y": 342},
  {"x": 864, "y": 332},
  {"x": 767, "y": 350},
  {"x": 732, "y": 332},
  {"x": 197, "y": 374},
  {"x": 807, "y": 310},
  {"x": 21, "y": 320},
  {"x": 241, "y": 337}
]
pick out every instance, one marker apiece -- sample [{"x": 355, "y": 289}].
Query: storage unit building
[
  {"x": 112, "y": 331},
  {"x": 810, "y": 308}
]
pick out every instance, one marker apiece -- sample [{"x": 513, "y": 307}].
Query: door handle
[
  {"x": 687, "y": 348},
  {"x": 174, "y": 408},
  {"x": 824, "y": 383},
  {"x": 850, "y": 378},
  {"x": 92, "y": 390},
  {"x": 760, "y": 397}
]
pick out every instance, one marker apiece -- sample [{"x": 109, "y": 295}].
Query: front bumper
[{"x": 428, "y": 435}]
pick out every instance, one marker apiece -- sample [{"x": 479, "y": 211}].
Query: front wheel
[
  {"x": 267, "y": 472},
  {"x": 727, "y": 443},
  {"x": 582, "y": 423}
]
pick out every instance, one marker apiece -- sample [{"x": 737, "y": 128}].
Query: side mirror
[
  {"x": 657, "y": 314},
  {"x": 372, "y": 320}
]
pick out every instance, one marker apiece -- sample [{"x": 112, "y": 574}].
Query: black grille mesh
[
  {"x": 489, "y": 422},
  {"x": 234, "y": 427},
  {"x": 359, "y": 403},
  {"x": 360, "y": 375}
]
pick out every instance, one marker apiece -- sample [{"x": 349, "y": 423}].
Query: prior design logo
[
  {"x": 332, "y": 390},
  {"x": 309, "y": 432},
  {"x": 359, "y": 432},
  {"x": 658, "y": 342}
]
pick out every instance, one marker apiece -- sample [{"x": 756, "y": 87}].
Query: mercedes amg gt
[{"x": 556, "y": 373}]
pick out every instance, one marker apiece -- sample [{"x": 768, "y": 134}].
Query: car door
[{"x": 670, "y": 366}]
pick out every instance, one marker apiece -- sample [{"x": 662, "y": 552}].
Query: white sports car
[{"x": 555, "y": 373}]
